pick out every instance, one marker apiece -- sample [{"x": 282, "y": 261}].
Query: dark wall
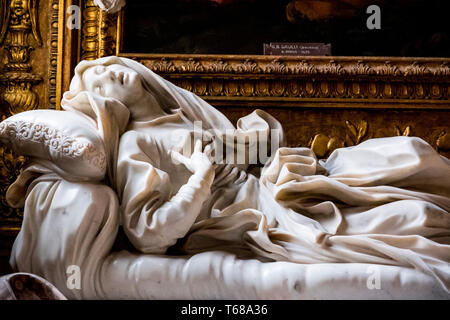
[{"x": 418, "y": 28}]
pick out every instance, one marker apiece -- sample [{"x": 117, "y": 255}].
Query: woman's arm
[{"x": 153, "y": 219}]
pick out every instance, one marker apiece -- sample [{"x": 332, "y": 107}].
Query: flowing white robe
[{"x": 385, "y": 201}]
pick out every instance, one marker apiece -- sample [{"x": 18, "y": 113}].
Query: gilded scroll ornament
[
  {"x": 220, "y": 66},
  {"x": 443, "y": 70},
  {"x": 417, "y": 69},
  {"x": 10, "y": 166},
  {"x": 323, "y": 145},
  {"x": 331, "y": 80},
  {"x": 19, "y": 34},
  {"x": 356, "y": 133},
  {"x": 191, "y": 65},
  {"x": 361, "y": 68},
  {"x": 443, "y": 141},
  {"x": 247, "y": 66},
  {"x": 276, "y": 66},
  {"x": 332, "y": 68},
  {"x": 163, "y": 66},
  {"x": 406, "y": 132},
  {"x": 19, "y": 26},
  {"x": 98, "y": 32}
]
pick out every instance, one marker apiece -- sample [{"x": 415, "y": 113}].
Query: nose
[{"x": 111, "y": 76}]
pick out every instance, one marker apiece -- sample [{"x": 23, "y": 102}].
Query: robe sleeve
[{"x": 151, "y": 216}]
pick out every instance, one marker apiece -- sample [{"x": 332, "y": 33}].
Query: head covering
[{"x": 169, "y": 97}]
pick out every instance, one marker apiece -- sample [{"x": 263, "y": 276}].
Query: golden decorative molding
[
  {"x": 10, "y": 167},
  {"x": 19, "y": 26},
  {"x": 443, "y": 141},
  {"x": 352, "y": 68},
  {"x": 55, "y": 32},
  {"x": 323, "y": 145},
  {"x": 99, "y": 32},
  {"x": 298, "y": 81},
  {"x": 19, "y": 34}
]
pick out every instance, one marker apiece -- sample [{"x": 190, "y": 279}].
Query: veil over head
[
  {"x": 111, "y": 116},
  {"x": 169, "y": 97}
]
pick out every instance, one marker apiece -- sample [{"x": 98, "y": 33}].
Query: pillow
[{"x": 69, "y": 140}]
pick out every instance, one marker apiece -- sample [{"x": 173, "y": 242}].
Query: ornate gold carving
[
  {"x": 99, "y": 32},
  {"x": 163, "y": 66},
  {"x": 276, "y": 66},
  {"x": 361, "y": 68},
  {"x": 323, "y": 146},
  {"x": 340, "y": 80},
  {"x": 388, "y": 70},
  {"x": 54, "y": 48},
  {"x": 307, "y": 66},
  {"x": 443, "y": 141},
  {"x": 332, "y": 68},
  {"x": 218, "y": 66},
  {"x": 247, "y": 66},
  {"x": 405, "y": 132},
  {"x": 443, "y": 70},
  {"x": 191, "y": 65},
  {"x": 19, "y": 25},
  {"x": 10, "y": 166},
  {"x": 417, "y": 69},
  {"x": 357, "y": 133},
  {"x": 303, "y": 67},
  {"x": 19, "y": 33}
]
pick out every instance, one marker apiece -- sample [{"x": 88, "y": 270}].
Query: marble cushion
[{"x": 68, "y": 139}]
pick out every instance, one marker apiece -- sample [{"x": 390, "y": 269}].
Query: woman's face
[{"x": 115, "y": 81}]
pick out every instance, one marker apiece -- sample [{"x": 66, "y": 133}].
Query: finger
[
  {"x": 177, "y": 157},
  {"x": 198, "y": 146}
]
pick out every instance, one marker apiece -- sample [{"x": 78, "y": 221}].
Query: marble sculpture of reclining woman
[{"x": 371, "y": 221}]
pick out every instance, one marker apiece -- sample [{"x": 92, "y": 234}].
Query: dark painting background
[{"x": 408, "y": 28}]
